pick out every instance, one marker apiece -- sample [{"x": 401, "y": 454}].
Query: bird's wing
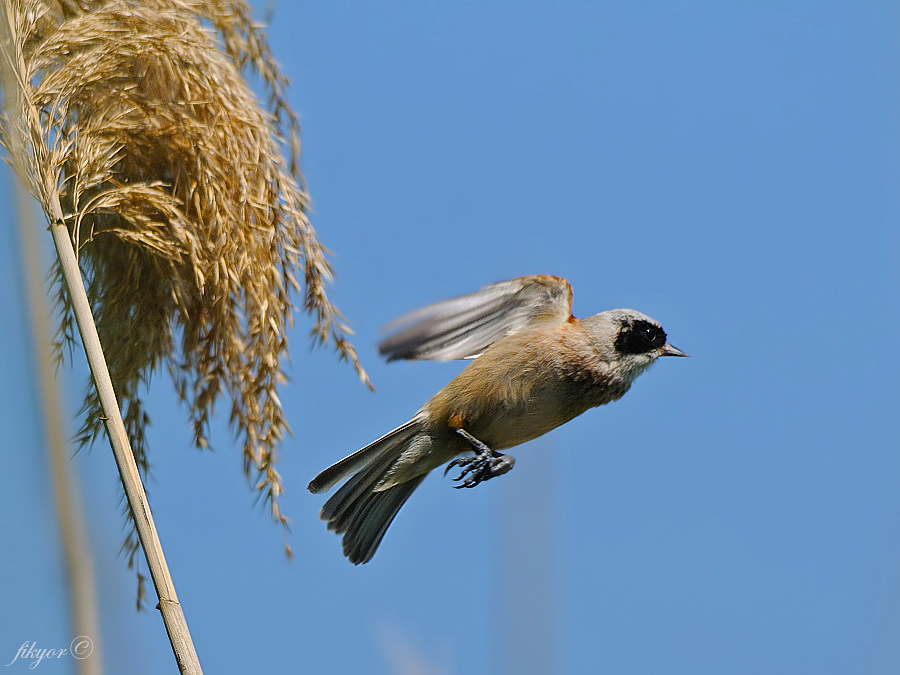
[{"x": 463, "y": 327}]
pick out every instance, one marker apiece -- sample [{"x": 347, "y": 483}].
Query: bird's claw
[{"x": 480, "y": 468}]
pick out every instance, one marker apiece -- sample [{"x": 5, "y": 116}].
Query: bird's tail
[{"x": 357, "y": 509}]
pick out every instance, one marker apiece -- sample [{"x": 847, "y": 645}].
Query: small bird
[{"x": 535, "y": 367}]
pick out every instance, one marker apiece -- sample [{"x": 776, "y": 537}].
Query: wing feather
[{"x": 463, "y": 327}]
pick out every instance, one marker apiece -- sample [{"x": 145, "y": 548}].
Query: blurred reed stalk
[
  {"x": 180, "y": 228},
  {"x": 16, "y": 97},
  {"x": 526, "y": 570},
  {"x": 69, "y": 511}
]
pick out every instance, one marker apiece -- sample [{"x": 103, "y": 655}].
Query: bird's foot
[
  {"x": 480, "y": 468},
  {"x": 486, "y": 464}
]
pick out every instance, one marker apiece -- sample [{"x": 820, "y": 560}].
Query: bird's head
[{"x": 631, "y": 340}]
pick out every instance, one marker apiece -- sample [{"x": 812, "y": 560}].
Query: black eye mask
[{"x": 639, "y": 337}]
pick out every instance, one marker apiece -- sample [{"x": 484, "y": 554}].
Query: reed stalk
[{"x": 181, "y": 229}]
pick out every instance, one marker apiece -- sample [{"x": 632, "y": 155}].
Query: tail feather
[
  {"x": 357, "y": 510},
  {"x": 335, "y": 511},
  {"x": 372, "y": 518},
  {"x": 391, "y": 440}
]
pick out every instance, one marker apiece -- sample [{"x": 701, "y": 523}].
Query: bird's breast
[{"x": 512, "y": 395}]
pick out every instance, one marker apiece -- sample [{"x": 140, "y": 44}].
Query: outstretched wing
[{"x": 463, "y": 327}]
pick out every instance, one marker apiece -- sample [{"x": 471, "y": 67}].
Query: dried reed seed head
[{"x": 190, "y": 227}]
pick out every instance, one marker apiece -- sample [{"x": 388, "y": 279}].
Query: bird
[{"x": 534, "y": 367}]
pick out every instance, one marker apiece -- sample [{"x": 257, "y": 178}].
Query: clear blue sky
[{"x": 731, "y": 169}]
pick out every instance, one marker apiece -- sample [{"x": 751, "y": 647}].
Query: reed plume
[{"x": 190, "y": 225}]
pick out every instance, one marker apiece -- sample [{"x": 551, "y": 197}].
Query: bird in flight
[{"x": 534, "y": 367}]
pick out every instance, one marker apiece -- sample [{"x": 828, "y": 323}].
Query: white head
[{"x": 629, "y": 339}]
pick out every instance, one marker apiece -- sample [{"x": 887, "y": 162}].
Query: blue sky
[{"x": 730, "y": 169}]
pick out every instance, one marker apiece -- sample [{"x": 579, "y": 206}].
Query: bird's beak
[{"x": 669, "y": 350}]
